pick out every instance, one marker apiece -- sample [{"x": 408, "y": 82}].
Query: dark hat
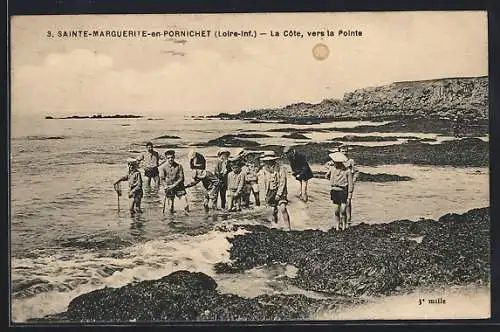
[
  {"x": 235, "y": 160},
  {"x": 170, "y": 153},
  {"x": 149, "y": 144}
]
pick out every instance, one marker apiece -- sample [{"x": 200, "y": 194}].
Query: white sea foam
[{"x": 146, "y": 261}]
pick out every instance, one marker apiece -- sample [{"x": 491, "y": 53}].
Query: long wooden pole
[{"x": 164, "y": 202}]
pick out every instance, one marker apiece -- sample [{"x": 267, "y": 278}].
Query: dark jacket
[
  {"x": 198, "y": 162},
  {"x": 300, "y": 167}
]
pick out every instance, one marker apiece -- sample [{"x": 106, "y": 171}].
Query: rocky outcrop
[
  {"x": 295, "y": 136},
  {"x": 97, "y": 116},
  {"x": 437, "y": 98},
  {"x": 231, "y": 141},
  {"x": 478, "y": 127},
  {"x": 168, "y": 137},
  {"x": 440, "y": 97},
  {"x": 367, "y": 177},
  {"x": 377, "y": 259},
  {"x": 184, "y": 296},
  {"x": 465, "y": 152},
  {"x": 374, "y": 259}
]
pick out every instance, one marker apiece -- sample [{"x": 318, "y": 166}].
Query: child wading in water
[
  {"x": 350, "y": 165},
  {"x": 341, "y": 183},
  {"x": 235, "y": 185},
  {"x": 135, "y": 186},
  {"x": 172, "y": 176},
  {"x": 251, "y": 170},
  {"x": 210, "y": 183},
  {"x": 222, "y": 169},
  {"x": 300, "y": 170},
  {"x": 276, "y": 189}
]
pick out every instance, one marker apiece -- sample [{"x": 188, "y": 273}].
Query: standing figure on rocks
[
  {"x": 221, "y": 170},
  {"x": 341, "y": 186},
  {"x": 350, "y": 166},
  {"x": 300, "y": 170},
  {"x": 151, "y": 160},
  {"x": 276, "y": 188},
  {"x": 457, "y": 127},
  {"x": 134, "y": 179},
  {"x": 235, "y": 185},
  {"x": 172, "y": 176}
]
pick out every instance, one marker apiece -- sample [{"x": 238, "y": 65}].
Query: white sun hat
[
  {"x": 338, "y": 157},
  {"x": 269, "y": 158},
  {"x": 223, "y": 150},
  {"x": 268, "y": 154},
  {"x": 238, "y": 151}
]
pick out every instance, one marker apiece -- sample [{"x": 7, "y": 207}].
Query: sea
[{"x": 67, "y": 236}]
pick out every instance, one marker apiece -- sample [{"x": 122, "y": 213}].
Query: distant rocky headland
[
  {"x": 436, "y": 98},
  {"x": 97, "y": 116}
]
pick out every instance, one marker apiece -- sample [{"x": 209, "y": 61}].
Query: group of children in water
[{"x": 235, "y": 178}]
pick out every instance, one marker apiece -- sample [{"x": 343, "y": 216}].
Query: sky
[{"x": 64, "y": 76}]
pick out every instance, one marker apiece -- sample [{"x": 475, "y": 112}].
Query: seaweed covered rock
[
  {"x": 168, "y": 137},
  {"x": 231, "y": 141},
  {"x": 250, "y": 135},
  {"x": 354, "y": 138},
  {"x": 473, "y": 128},
  {"x": 367, "y": 177},
  {"x": 147, "y": 300},
  {"x": 466, "y": 152},
  {"x": 381, "y": 177},
  {"x": 373, "y": 259},
  {"x": 295, "y": 136},
  {"x": 184, "y": 295}
]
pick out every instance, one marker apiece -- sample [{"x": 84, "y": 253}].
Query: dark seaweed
[{"x": 378, "y": 259}]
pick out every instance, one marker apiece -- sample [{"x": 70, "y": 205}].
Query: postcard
[{"x": 249, "y": 167}]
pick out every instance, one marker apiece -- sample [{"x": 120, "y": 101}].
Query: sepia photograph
[{"x": 249, "y": 167}]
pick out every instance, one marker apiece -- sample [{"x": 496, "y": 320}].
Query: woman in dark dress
[{"x": 300, "y": 170}]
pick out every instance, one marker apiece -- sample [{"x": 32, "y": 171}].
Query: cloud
[
  {"x": 85, "y": 82},
  {"x": 78, "y": 60},
  {"x": 146, "y": 76}
]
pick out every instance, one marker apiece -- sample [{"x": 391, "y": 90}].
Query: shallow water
[{"x": 67, "y": 237}]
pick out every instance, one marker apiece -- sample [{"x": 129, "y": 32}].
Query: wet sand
[{"x": 446, "y": 303}]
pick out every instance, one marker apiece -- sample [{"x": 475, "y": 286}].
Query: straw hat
[
  {"x": 339, "y": 148},
  {"x": 267, "y": 154},
  {"x": 234, "y": 160},
  {"x": 132, "y": 161},
  {"x": 251, "y": 153},
  {"x": 338, "y": 157},
  {"x": 223, "y": 150},
  {"x": 238, "y": 151},
  {"x": 269, "y": 158},
  {"x": 287, "y": 149}
]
